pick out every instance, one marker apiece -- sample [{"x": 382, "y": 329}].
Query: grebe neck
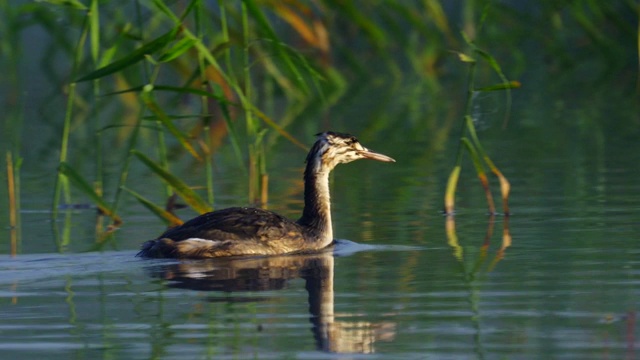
[{"x": 316, "y": 216}]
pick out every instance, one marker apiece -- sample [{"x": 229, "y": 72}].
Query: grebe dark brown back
[{"x": 249, "y": 231}]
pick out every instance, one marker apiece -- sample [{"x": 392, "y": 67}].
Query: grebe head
[{"x": 333, "y": 148}]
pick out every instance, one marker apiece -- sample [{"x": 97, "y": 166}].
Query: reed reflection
[
  {"x": 458, "y": 250},
  {"x": 273, "y": 273}
]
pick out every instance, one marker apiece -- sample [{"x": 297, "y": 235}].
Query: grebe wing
[{"x": 233, "y": 224}]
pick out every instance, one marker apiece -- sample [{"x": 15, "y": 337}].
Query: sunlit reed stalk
[{"x": 14, "y": 206}]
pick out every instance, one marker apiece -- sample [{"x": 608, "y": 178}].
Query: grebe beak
[{"x": 368, "y": 154}]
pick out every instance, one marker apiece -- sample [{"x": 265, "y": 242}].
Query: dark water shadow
[{"x": 271, "y": 273}]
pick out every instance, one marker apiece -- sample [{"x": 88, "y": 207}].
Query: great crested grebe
[{"x": 249, "y": 231}]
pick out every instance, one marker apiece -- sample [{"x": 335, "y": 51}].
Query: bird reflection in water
[{"x": 273, "y": 273}]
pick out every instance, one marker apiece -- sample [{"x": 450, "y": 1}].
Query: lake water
[{"x": 559, "y": 279}]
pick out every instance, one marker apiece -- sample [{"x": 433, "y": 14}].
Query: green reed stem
[
  {"x": 133, "y": 140},
  {"x": 94, "y": 35},
  {"x": 206, "y": 119},
  {"x": 246, "y": 99},
  {"x": 225, "y": 39},
  {"x": 162, "y": 144},
  {"x": 452, "y": 182},
  {"x": 162, "y": 152},
  {"x": 124, "y": 173},
  {"x": 62, "y": 183}
]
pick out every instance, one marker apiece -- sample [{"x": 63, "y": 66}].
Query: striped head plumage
[{"x": 333, "y": 148}]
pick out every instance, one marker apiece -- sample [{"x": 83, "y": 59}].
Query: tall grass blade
[
  {"x": 204, "y": 104},
  {"x": 168, "y": 123},
  {"x": 178, "y": 90},
  {"x": 62, "y": 185},
  {"x": 165, "y": 10},
  {"x": 263, "y": 23},
  {"x": 185, "y": 192},
  {"x": 505, "y": 187},
  {"x": 267, "y": 120},
  {"x": 226, "y": 115},
  {"x": 496, "y": 67},
  {"x": 75, "y": 4},
  {"x": 88, "y": 190},
  {"x": 477, "y": 163},
  {"x": 124, "y": 172},
  {"x": 502, "y": 86},
  {"x": 167, "y": 217},
  {"x": 180, "y": 47},
  {"x": 133, "y": 58}
]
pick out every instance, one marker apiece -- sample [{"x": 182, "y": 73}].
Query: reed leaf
[
  {"x": 179, "y": 90},
  {"x": 267, "y": 120},
  {"x": 210, "y": 59},
  {"x": 496, "y": 67},
  {"x": 180, "y": 47},
  {"x": 84, "y": 186},
  {"x": 226, "y": 115},
  {"x": 192, "y": 5},
  {"x": 185, "y": 192},
  {"x": 502, "y": 86},
  {"x": 477, "y": 162},
  {"x": 167, "y": 217},
  {"x": 263, "y": 23},
  {"x": 165, "y": 10},
  {"x": 133, "y": 58},
  {"x": 168, "y": 123},
  {"x": 76, "y": 4},
  {"x": 492, "y": 62},
  {"x": 482, "y": 175},
  {"x": 465, "y": 58},
  {"x": 505, "y": 186}
]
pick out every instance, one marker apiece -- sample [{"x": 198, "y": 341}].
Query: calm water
[{"x": 559, "y": 279}]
